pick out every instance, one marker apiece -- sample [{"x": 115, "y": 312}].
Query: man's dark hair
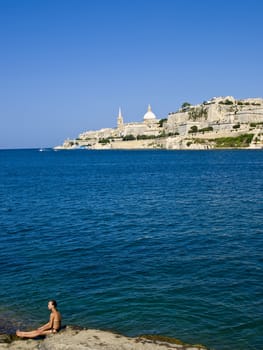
[{"x": 54, "y": 303}]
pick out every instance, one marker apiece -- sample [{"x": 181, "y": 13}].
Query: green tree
[
  {"x": 236, "y": 126},
  {"x": 162, "y": 121},
  {"x": 186, "y": 105},
  {"x": 104, "y": 141},
  {"x": 129, "y": 138},
  {"x": 193, "y": 129}
]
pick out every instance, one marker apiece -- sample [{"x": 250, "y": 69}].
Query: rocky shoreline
[{"x": 75, "y": 338}]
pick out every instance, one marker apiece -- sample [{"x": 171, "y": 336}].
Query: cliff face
[
  {"x": 221, "y": 114},
  {"x": 192, "y": 127}
]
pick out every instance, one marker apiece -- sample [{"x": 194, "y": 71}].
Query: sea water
[{"x": 156, "y": 242}]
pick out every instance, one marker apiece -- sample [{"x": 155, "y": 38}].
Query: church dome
[{"x": 149, "y": 115}]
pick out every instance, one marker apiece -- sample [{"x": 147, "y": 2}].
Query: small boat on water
[{"x": 44, "y": 149}]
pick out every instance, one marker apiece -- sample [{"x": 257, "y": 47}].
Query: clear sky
[{"x": 67, "y": 65}]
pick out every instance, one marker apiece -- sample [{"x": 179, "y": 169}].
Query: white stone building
[{"x": 148, "y": 127}]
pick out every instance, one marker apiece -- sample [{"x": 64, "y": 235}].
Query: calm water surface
[{"x": 135, "y": 241}]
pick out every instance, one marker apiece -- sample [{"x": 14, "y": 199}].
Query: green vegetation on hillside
[
  {"x": 254, "y": 125},
  {"x": 240, "y": 103},
  {"x": 207, "y": 129},
  {"x": 226, "y": 102},
  {"x": 129, "y": 138},
  {"x": 197, "y": 113},
  {"x": 234, "y": 142},
  {"x": 194, "y": 129},
  {"x": 236, "y": 126},
  {"x": 162, "y": 121},
  {"x": 185, "y": 105},
  {"x": 104, "y": 141},
  {"x": 146, "y": 137}
]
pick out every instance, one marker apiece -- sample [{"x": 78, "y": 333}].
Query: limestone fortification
[{"x": 221, "y": 122}]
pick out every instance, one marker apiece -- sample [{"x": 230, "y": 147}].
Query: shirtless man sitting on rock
[{"x": 53, "y": 326}]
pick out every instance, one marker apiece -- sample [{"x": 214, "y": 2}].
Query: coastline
[
  {"x": 77, "y": 338},
  {"x": 216, "y": 123}
]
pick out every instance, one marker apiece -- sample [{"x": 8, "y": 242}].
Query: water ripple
[{"x": 139, "y": 242}]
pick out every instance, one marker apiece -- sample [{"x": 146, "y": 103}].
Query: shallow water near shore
[{"x": 137, "y": 242}]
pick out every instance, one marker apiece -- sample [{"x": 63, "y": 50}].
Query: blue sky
[{"x": 67, "y": 65}]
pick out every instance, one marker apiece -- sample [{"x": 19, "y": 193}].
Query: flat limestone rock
[{"x": 91, "y": 339}]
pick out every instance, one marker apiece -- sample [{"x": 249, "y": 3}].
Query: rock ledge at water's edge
[{"x": 73, "y": 338}]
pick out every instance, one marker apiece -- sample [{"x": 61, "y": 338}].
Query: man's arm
[{"x": 48, "y": 325}]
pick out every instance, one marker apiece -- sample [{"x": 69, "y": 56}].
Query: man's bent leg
[{"x": 31, "y": 334}]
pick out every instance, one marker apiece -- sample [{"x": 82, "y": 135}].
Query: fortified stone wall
[{"x": 220, "y": 114}]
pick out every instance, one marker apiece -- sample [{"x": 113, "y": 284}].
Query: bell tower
[{"x": 120, "y": 120}]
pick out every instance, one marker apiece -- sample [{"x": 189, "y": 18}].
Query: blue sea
[{"x": 138, "y": 242}]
